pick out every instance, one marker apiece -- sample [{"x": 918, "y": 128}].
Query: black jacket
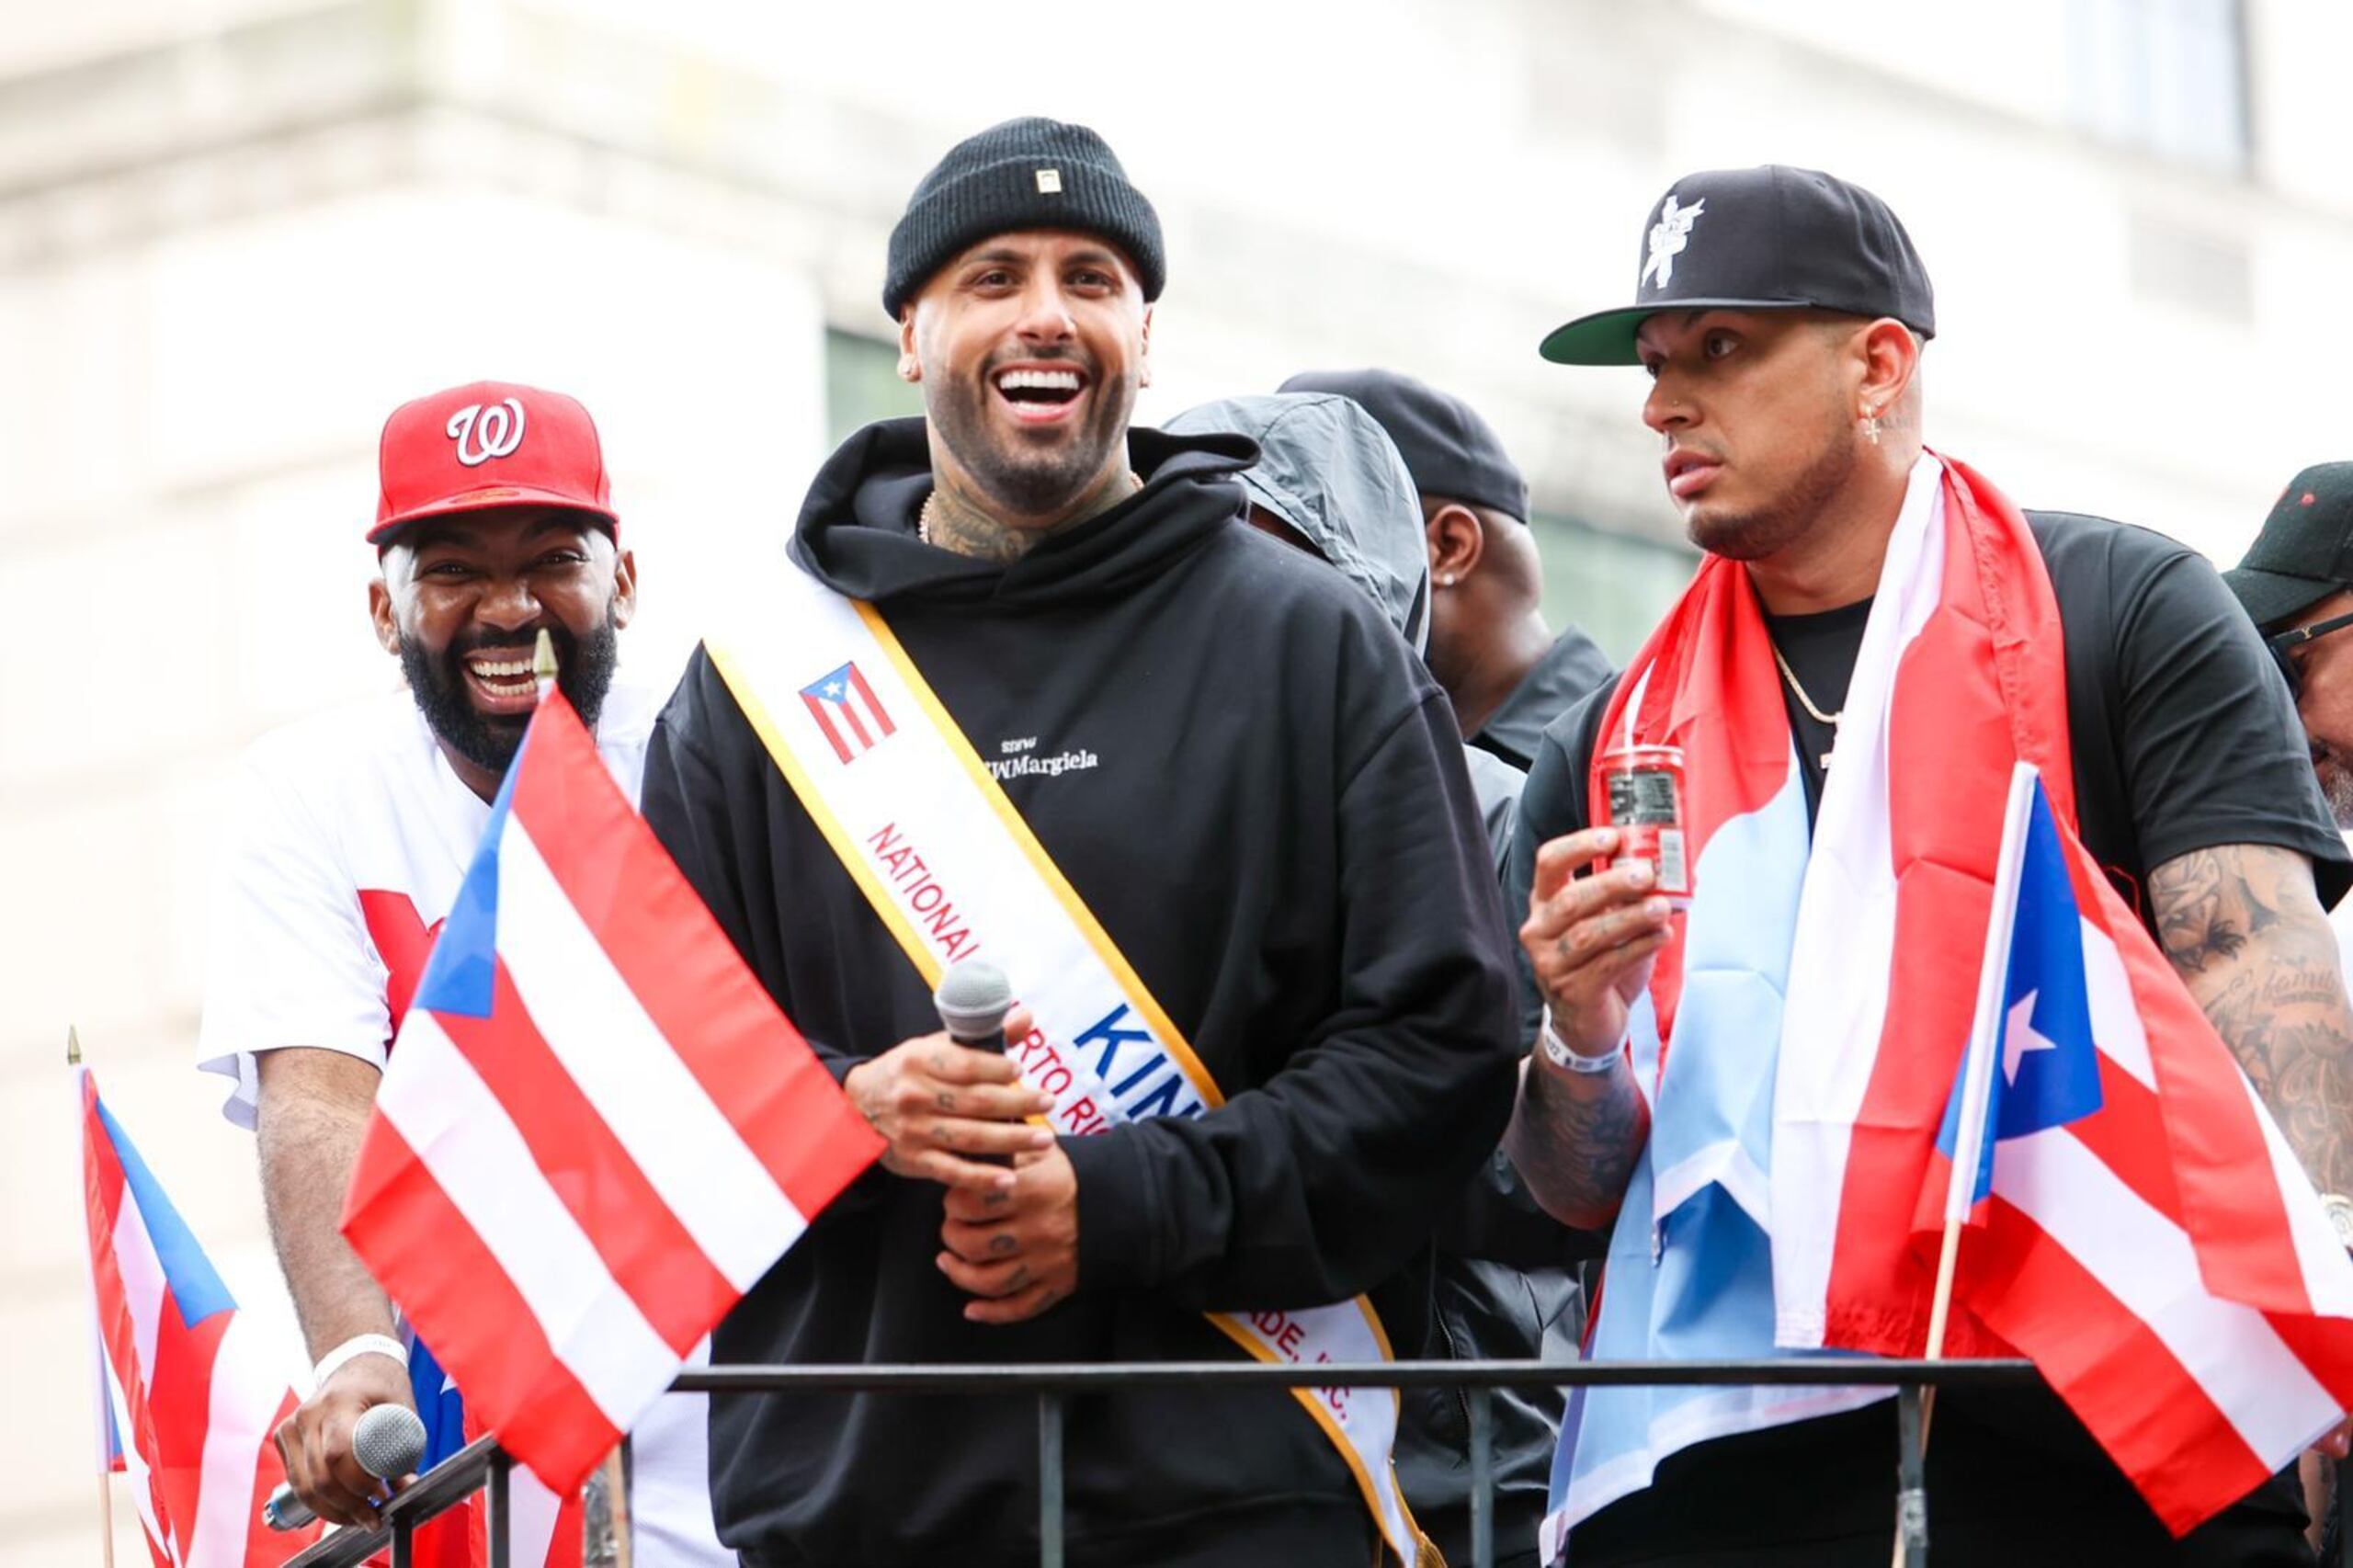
[
  {"x": 1570, "y": 668},
  {"x": 1272, "y": 821}
]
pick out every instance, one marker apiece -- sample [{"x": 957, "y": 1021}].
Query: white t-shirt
[{"x": 353, "y": 837}]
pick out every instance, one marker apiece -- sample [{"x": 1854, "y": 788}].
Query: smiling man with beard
[
  {"x": 1249, "y": 909},
  {"x": 494, "y": 523}
]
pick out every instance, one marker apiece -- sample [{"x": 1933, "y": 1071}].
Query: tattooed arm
[
  {"x": 1573, "y": 1138},
  {"x": 2244, "y": 929},
  {"x": 1591, "y": 940}
]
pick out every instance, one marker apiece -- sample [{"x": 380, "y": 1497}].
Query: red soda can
[{"x": 1644, "y": 788}]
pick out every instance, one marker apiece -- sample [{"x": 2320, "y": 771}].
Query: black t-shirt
[{"x": 2184, "y": 739}]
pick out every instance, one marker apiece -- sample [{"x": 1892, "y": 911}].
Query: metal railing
[{"x": 483, "y": 1464}]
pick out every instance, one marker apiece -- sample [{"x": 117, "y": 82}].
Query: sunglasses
[{"x": 2280, "y": 642}]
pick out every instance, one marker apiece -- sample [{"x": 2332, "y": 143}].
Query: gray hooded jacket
[
  {"x": 1500, "y": 1284},
  {"x": 1326, "y": 468}
]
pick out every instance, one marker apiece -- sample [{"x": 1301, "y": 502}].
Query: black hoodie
[{"x": 1252, "y": 783}]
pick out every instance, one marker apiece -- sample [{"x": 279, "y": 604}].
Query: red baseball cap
[{"x": 489, "y": 444}]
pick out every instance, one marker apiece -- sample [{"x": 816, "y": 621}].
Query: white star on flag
[{"x": 2019, "y": 1036}]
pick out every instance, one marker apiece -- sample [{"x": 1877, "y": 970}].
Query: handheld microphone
[
  {"x": 973, "y": 998},
  {"x": 388, "y": 1441}
]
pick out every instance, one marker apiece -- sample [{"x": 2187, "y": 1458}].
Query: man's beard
[
  {"x": 1029, "y": 481},
  {"x": 2336, "y": 783},
  {"x": 584, "y": 674},
  {"x": 1786, "y": 518}
]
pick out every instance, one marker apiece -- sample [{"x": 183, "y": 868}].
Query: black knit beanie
[{"x": 1025, "y": 174}]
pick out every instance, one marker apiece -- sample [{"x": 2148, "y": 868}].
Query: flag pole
[
  {"x": 1985, "y": 1050},
  {"x": 1979, "y": 1065},
  {"x": 106, "y": 1476}
]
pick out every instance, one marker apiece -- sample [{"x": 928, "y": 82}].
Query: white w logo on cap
[{"x": 494, "y": 432}]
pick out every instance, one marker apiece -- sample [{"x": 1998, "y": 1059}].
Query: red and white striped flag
[
  {"x": 596, "y": 1130},
  {"x": 847, "y": 713},
  {"x": 2154, "y": 1247},
  {"x": 193, "y": 1386}
]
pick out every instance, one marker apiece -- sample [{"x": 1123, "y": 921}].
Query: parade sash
[{"x": 946, "y": 861}]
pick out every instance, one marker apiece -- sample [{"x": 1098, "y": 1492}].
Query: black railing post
[
  {"x": 403, "y": 1543},
  {"x": 482, "y": 1467},
  {"x": 1912, "y": 1490},
  {"x": 1050, "y": 1479},
  {"x": 1482, "y": 1477},
  {"x": 2339, "y": 1525},
  {"x": 496, "y": 1516}
]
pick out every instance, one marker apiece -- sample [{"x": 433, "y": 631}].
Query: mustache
[
  {"x": 1069, "y": 354},
  {"x": 520, "y": 641}
]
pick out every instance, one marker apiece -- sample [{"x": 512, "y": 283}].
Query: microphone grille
[
  {"x": 972, "y": 998},
  {"x": 388, "y": 1440}
]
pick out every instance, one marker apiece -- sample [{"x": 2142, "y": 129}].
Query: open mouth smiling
[
  {"x": 1039, "y": 394},
  {"x": 502, "y": 679}
]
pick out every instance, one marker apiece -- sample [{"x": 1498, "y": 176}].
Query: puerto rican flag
[
  {"x": 2144, "y": 1235},
  {"x": 847, "y": 713},
  {"x": 596, "y": 1132},
  {"x": 192, "y": 1389}
]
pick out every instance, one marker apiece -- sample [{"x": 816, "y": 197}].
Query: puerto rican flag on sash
[
  {"x": 596, "y": 1132},
  {"x": 847, "y": 712},
  {"x": 192, "y": 1389}
]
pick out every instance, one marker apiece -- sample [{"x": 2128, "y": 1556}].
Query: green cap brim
[{"x": 1607, "y": 337}]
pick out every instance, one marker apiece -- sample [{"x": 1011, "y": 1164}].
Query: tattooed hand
[
  {"x": 952, "y": 1114},
  {"x": 1016, "y": 1250},
  {"x": 2247, "y": 933},
  {"x": 1575, "y": 1136}
]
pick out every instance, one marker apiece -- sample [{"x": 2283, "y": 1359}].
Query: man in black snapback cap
[
  {"x": 2296, "y": 584},
  {"x": 1780, "y": 315},
  {"x": 1763, "y": 239},
  {"x": 1506, "y": 673}
]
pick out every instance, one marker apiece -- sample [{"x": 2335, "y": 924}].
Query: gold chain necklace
[{"x": 1806, "y": 702}]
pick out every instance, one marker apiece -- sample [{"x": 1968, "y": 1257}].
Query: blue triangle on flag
[
  {"x": 2046, "y": 1064},
  {"x": 197, "y": 1286},
  {"x": 462, "y": 975},
  {"x": 439, "y": 1404}
]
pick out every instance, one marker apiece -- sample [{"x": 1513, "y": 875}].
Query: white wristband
[
  {"x": 1557, "y": 1051},
  {"x": 359, "y": 1345}
]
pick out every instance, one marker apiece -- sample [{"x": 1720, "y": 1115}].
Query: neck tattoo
[{"x": 969, "y": 531}]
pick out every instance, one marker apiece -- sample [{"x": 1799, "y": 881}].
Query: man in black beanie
[
  {"x": 1030, "y": 226},
  {"x": 1506, "y": 673},
  {"x": 1027, "y": 688}
]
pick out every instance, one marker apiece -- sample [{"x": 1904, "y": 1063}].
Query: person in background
[
  {"x": 2296, "y": 584},
  {"x": 1496, "y": 1282},
  {"x": 1504, "y": 670},
  {"x": 1328, "y": 481}
]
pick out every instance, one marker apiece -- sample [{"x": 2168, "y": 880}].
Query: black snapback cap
[
  {"x": 2305, "y": 551},
  {"x": 1772, "y": 238}
]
